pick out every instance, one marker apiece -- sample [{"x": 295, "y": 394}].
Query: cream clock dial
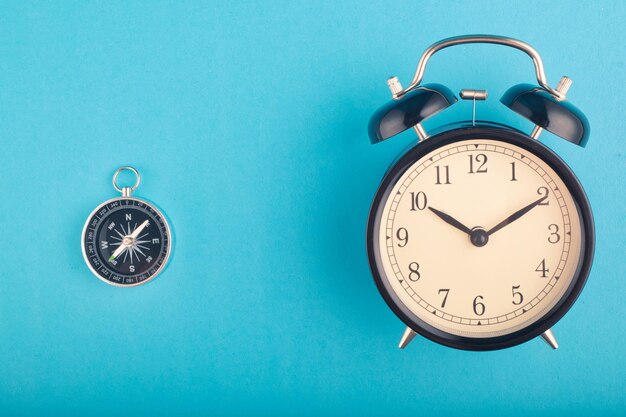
[
  {"x": 478, "y": 240},
  {"x": 507, "y": 278}
]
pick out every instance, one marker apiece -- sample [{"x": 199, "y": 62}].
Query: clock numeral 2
[
  {"x": 403, "y": 236},
  {"x": 520, "y": 297},
  {"x": 414, "y": 274},
  {"x": 481, "y": 159},
  {"x": 543, "y": 191},
  {"x": 446, "y": 173},
  {"x": 542, "y": 268},
  {"x": 418, "y": 201},
  {"x": 445, "y": 297},
  {"x": 479, "y": 308}
]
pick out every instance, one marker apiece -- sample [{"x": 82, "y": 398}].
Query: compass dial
[{"x": 126, "y": 242}]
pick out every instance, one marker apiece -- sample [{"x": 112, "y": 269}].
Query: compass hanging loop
[{"x": 126, "y": 191}]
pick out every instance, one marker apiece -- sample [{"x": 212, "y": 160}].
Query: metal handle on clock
[{"x": 492, "y": 39}]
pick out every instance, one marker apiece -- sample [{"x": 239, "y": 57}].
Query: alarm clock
[{"x": 480, "y": 237}]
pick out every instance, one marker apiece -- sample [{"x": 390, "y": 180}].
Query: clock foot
[
  {"x": 548, "y": 336},
  {"x": 406, "y": 338}
]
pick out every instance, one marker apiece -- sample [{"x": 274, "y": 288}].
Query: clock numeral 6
[
  {"x": 418, "y": 201},
  {"x": 414, "y": 274},
  {"x": 520, "y": 297},
  {"x": 481, "y": 159},
  {"x": 445, "y": 297},
  {"x": 479, "y": 308},
  {"x": 554, "y": 233},
  {"x": 403, "y": 236}
]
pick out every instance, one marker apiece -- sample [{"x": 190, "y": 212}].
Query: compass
[{"x": 126, "y": 241}]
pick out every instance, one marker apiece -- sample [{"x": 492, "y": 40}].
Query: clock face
[
  {"x": 126, "y": 242},
  {"x": 478, "y": 238}
]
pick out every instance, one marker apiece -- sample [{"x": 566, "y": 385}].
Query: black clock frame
[{"x": 457, "y": 133}]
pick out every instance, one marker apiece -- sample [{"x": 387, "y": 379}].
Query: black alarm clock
[{"x": 480, "y": 237}]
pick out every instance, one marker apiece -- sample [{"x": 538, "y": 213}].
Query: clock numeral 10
[
  {"x": 403, "y": 236},
  {"x": 481, "y": 159},
  {"x": 517, "y": 295},
  {"x": 479, "y": 308},
  {"x": 414, "y": 274},
  {"x": 542, "y": 268},
  {"x": 446, "y": 174},
  {"x": 418, "y": 201}
]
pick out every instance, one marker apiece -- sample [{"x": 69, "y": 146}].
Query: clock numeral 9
[
  {"x": 403, "y": 236},
  {"x": 520, "y": 297},
  {"x": 445, "y": 297},
  {"x": 542, "y": 269},
  {"x": 418, "y": 201},
  {"x": 543, "y": 191},
  {"x": 481, "y": 159},
  {"x": 554, "y": 233},
  {"x": 479, "y": 308},
  {"x": 446, "y": 173},
  {"x": 414, "y": 274}
]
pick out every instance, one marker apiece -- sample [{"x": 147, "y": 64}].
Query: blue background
[{"x": 248, "y": 122}]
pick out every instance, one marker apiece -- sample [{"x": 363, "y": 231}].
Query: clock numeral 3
[
  {"x": 418, "y": 201},
  {"x": 542, "y": 269},
  {"x": 446, "y": 174},
  {"x": 554, "y": 233},
  {"x": 543, "y": 191},
  {"x": 481, "y": 159},
  {"x": 520, "y": 297},
  {"x": 414, "y": 274},
  {"x": 403, "y": 236},
  {"x": 479, "y": 308},
  {"x": 445, "y": 297}
]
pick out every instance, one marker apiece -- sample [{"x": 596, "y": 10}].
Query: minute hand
[{"x": 519, "y": 213}]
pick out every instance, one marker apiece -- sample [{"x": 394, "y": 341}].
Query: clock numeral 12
[
  {"x": 446, "y": 171},
  {"x": 481, "y": 159}
]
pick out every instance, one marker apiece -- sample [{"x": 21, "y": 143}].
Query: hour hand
[{"x": 451, "y": 220}]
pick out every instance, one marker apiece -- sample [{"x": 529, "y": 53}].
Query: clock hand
[
  {"x": 451, "y": 220},
  {"x": 130, "y": 238},
  {"x": 519, "y": 213}
]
